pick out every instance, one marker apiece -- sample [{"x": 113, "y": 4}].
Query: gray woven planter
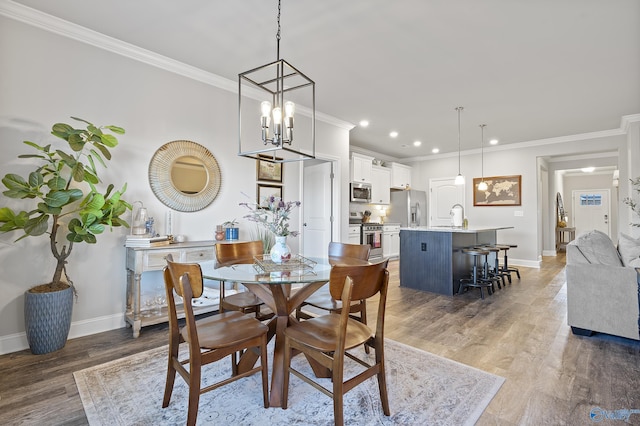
[{"x": 47, "y": 318}]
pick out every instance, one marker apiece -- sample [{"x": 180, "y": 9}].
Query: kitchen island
[{"x": 431, "y": 258}]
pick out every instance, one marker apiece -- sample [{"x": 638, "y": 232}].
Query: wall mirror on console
[{"x": 184, "y": 176}]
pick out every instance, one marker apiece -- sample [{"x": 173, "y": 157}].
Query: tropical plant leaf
[
  {"x": 109, "y": 140},
  {"x": 37, "y": 225},
  {"x": 115, "y": 129},
  {"x": 57, "y": 198},
  {"x": 56, "y": 183},
  {"x": 95, "y": 154}
]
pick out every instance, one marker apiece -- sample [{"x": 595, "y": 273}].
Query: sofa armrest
[{"x": 603, "y": 298}]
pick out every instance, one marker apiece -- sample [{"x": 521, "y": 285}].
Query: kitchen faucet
[{"x": 456, "y": 221}]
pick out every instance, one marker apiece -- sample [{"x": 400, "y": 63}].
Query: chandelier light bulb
[
  {"x": 289, "y": 109},
  {"x": 277, "y": 116},
  {"x": 482, "y": 186},
  {"x": 459, "y": 180},
  {"x": 265, "y": 107}
]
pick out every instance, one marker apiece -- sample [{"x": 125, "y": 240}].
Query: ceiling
[{"x": 530, "y": 70}]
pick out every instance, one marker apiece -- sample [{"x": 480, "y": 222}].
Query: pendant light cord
[
  {"x": 482, "y": 148},
  {"x": 459, "y": 109}
]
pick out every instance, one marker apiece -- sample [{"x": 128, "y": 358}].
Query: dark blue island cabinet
[{"x": 431, "y": 259}]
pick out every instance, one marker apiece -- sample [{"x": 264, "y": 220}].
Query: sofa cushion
[
  {"x": 629, "y": 249},
  {"x": 597, "y": 248}
]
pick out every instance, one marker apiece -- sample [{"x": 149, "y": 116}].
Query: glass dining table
[{"x": 282, "y": 289}]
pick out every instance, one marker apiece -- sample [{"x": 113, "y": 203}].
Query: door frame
[{"x": 574, "y": 201}]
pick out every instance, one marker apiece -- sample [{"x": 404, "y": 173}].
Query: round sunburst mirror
[{"x": 185, "y": 176}]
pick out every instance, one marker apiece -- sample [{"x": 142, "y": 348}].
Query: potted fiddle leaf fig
[{"x": 66, "y": 206}]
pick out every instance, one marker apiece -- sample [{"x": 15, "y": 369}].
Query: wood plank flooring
[{"x": 519, "y": 333}]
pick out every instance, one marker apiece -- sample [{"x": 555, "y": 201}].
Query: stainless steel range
[{"x": 371, "y": 234}]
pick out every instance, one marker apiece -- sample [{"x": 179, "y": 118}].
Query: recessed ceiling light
[
  {"x": 493, "y": 141},
  {"x": 588, "y": 169},
  {"x": 393, "y": 134},
  {"x": 435, "y": 150},
  {"x": 417, "y": 143},
  {"x": 364, "y": 123}
]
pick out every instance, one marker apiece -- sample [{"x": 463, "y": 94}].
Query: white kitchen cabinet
[
  {"x": 391, "y": 241},
  {"x": 380, "y": 181},
  {"x": 361, "y": 167},
  {"x": 354, "y": 234},
  {"x": 400, "y": 176}
]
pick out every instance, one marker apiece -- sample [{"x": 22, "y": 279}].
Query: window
[{"x": 590, "y": 200}]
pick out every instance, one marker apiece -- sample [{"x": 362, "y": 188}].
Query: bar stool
[
  {"x": 496, "y": 272},
  {"x": 486, "y": 271},
  {"x": 505, "y": 263},
  {"x": 475, "y": 280}
]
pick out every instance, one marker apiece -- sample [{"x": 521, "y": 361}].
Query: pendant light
[
  {"x": 459, "y": 179},
  {"x": 276, "y": 85},
  {"x": 482, "y": 186}
]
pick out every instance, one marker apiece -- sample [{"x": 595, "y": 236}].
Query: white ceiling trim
[
  {"x": 76, "y": 32},
  {"x": 626, "y": 120}
]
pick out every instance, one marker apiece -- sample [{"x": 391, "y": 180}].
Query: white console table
[{"x": 140, "y": 260}]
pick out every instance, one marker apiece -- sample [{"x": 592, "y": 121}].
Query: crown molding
[{"x": 67, "y": 29}]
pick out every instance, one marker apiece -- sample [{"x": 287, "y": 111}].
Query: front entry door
[{"x": 591, "y": 210}]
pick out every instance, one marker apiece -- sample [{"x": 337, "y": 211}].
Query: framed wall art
[
  {"x": 265, "y": 191},
  {"x": 268, "y": 171},
  {"x": 501, "y": 191}
]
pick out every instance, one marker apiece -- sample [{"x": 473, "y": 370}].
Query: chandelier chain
[{"x": 278, "y": 33}]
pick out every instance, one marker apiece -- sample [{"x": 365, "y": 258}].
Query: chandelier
[{"x": 283, "y": 91}]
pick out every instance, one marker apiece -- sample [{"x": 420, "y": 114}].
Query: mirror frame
[{"x": 162, "y": 185}]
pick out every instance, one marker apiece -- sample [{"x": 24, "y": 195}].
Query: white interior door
[
  {"x": 443, "y": 194},
  {"x": 317, "y": 207},
  {"x": 591, "y": 210}
]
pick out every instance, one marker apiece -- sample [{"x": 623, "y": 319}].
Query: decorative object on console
[
  {"x": 501, "y": 191},
  {"x": 220, "y": 233},
  {"x": 482, "y": 186},
  {"x": 459, "y": 179},
  {"x": 184, "y": 176},
  {"x": 277, "y": 79},
  {"x": 64, "y": 189},
  {"x": 231, "y": 231}
]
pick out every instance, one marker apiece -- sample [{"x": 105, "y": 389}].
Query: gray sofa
[{"x": 603, "y": 285}]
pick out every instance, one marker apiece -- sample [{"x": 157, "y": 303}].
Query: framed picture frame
[
  {"x": 264, "y": 191},
  {"x": 501, "y": 191},
  {"x": 268, "y": 171}
]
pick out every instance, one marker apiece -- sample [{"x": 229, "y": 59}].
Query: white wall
[{"x": 46, "y": 78}]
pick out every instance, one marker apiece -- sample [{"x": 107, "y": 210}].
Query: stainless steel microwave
[{"x": 360, "y": 192}]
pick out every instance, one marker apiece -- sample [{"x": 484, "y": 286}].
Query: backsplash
[{"x": 360, "y": 208}]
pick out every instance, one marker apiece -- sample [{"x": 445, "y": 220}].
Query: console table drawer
[
  {"x": 156, "y": 260},
  {"x": 201, "y": 255}
]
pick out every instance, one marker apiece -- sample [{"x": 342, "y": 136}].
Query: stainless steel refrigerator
[{"x": 408, "y": 207}]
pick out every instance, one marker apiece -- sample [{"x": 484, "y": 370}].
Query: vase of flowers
[
  {"x": 280, "y": 252},
  {"x": 274, "y": 215}
]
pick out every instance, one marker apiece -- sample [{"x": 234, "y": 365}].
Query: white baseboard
[
  {"x": 549, "y": 253},
  {"x": 18, "y": 342},
  {"x": 525, "y": 263}
]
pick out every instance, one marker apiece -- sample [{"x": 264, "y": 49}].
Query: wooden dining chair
[
  {"x": 326, "y": 339},
  {"x": 228, "y": 254},
  {"x": 209, "y": 339},
  {"x": 322, "y": 299}
]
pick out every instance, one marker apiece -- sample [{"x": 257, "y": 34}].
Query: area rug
[{"x": 424, "y": 389}]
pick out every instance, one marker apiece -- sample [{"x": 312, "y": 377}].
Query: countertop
[{"x": 471, "y": 230}]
